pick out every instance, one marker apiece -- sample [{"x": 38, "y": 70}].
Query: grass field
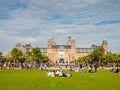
[{"x": 37, "y": 80}]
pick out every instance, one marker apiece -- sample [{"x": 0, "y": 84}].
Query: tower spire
[{"x": 105, "y": 45}]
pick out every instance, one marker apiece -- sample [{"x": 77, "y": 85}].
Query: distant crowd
[
  {"x": 75, "y": 67},
  {"x": 86, "y": 68},
  {"x": 22, "y": 66}
]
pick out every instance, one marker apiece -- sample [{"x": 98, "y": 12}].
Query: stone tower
[
  {"x": 51, "y": 42},
  {"x": 105, "y": 45},
  {"x": 71, "y": 42},
  {"x": 20, "y": 47}
]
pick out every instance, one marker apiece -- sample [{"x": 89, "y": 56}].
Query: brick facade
[
  {"x": 69, "y": 52},
  {"x": 63, "y": 53}
]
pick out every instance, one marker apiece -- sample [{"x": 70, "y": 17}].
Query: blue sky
[{"x": 35, "y": 21}]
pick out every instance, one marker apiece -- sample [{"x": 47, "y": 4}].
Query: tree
[
  {"x": 22, "y": 58},
  {"x": 1, "y": 56},
  {"x": 108, "y": 58},
  {"x": 4, "y": 60},
  {"x": 116, "y": 57},
  {"x": 9, "y": 59},
  {"x": 45, "y": 58},
  {"x": 16, "y": 54},
  {"x": 84, "y": 59},
  {"x": 97, "y": 55},
  {"x": 35, "y": 54},
  {"x": 119, "y": 57},
  {"x": 29, "y": 57}
]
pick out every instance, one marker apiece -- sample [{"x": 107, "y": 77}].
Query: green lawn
[{"x": 37, "y": 80}]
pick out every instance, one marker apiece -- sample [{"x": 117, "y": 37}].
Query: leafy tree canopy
[
  {"x": 35, "y": 54},
  {"x": 97, "y": 55},
  {"x": 16, "y": 54}
]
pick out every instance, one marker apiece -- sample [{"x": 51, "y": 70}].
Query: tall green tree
[
  {"x": 22, "y": 58},
  {"x": 97, "y": 55},
  {"x": 108, "y": 58},
  {"x": 116, "y": 57},
  {"x": 119, "y": 58},
  {"x": 35, "y": 54},
  {"x": 16, "y": 54},
  {"x": 1, "y": 56},
  {"x": 84, "y": 59},
  {"x": 112, "y": 58},
  {"x": 45, "y": 58}
]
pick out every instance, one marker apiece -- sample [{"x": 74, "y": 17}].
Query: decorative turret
[
  {"x": 20, "y": 47},
  {"x": 94, "y": 45},
  {"x": 105, "y": 45},
  {"x": 73, "y": 44},
  {"x": 105, "y": 42},
  {"x": 28, "y": 47},
  {"x": 69, "y": 40},
  {"x": 51, "y": 41}
]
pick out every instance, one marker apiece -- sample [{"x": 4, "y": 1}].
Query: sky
[{"x": 35, "y": 21}]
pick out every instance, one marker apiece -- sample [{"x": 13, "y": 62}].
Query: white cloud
[
  {"x": 92, "y": 1},
  {"x": 37, "y": 20}
]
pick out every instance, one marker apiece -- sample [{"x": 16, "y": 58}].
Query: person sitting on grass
[
  {"x": 57, "y": 73},
  {"x": 60, "y": 74},
  {"x": 64, "y": 74},
  {"x": 48, "y": 73},
  {"x": 53, "y": 73}
]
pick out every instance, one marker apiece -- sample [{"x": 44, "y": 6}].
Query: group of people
[
  {"x": 116, "y": 69},
  {"x": 7, "y": 65},
  {"x": 21, "y": 66},
  {"x": 90, "y": 68},
  {"x": 77, "y": 67},
  {"x": 58, "y": 73}
]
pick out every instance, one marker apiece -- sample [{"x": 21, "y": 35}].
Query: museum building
[{"x": 63, "y": 53}]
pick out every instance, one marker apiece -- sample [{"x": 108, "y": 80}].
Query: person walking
[
  {"x": 80, "y": 68},
  {"x": 95, "y": 67}
]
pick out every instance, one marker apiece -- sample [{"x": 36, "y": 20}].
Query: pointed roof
[
  {"x": 104, "y": 42},
  {"x": 18, "y": 44}
]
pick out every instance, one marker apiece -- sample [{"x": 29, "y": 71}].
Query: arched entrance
[{"x": 61, "y": 60}]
